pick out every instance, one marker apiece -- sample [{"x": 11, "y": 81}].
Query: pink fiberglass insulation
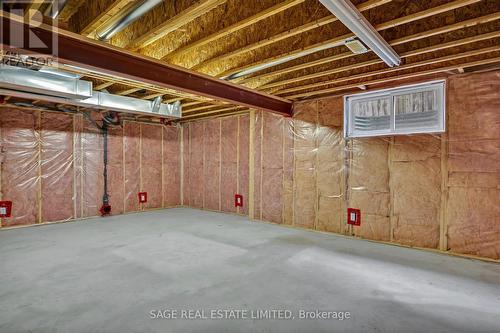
[
  {"x": 20, "y": 168},
  {"x": 258, "y": 166},
  {"x": 211, "y": 170},
  {"x": 131, "y": 148},
  {"x": 151, "y": 165},
  {"x": 473, "y": 174},
  {"x": 415, "y": 183},
  {"x": 92, "y": 166},
  {"x": 272, "y": 167},
  {"x": 304, "y": 128},
  {"x": 77, "y": 164},
  {"x": 186, "y": 162},
  {"x": 243, "y": 169},
  {"x": 368, "y": 187},
  {"x": 171, "y": 166},
  {"x": 229, "y": 166},
  {"x": 57, "y": 167},
  {"x": 196, "y": 164},
  {"x": 115, "y": 169}
]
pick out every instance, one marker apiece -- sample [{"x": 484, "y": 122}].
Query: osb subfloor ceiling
[{"x": 224, "y": 37}]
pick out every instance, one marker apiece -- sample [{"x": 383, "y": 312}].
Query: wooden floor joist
[
  {"x": 396, "y": 78},
  {"x": 289, "y": 33},
  {"x": 33, "y": 8},
  {"x": 203, "y": 114},
  {"x": 447, "y": 28},
  {"x": 152, "y": 96},
  {"x": 70, "y": 9},
  {"x": 188, "y": 111},
  {"x": 402, "y": 40},
  {"x": 217, "y": 115},
  {"x": 379, "y": 27},
  {"x": 190, "y": 14},
  {"x": 433, "y": 48},
  {"x": 127, "y": 91},
  {"x": 106, "y": 15},
  {"x": 235, "y": 27},
  {"x": 394, "y": 69},
  {"x": 104, "y": 85}
]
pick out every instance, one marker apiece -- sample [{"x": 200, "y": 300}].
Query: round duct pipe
[{"x": 127, "y": 17}]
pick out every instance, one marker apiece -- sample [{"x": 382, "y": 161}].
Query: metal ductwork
[
  {"x": 18, "y": 78},
  {"x": 55, "y": 8},
  {"x": 30, "y": 84},
  {"x": 126, "y": 17},
  {"x": 101, "y": 100}
]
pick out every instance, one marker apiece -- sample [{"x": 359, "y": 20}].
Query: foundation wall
[
  {"x": 216, "y": 163},
  {"x": 433, "y": 191},
  {"x": 52, "y": 167}
]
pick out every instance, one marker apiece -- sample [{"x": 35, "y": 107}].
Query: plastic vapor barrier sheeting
[
  {"x": 52, "y": 167},
  {"x": 437, "y": 191}
]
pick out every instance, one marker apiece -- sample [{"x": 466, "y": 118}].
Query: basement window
[{"x": 404, "y": 110}]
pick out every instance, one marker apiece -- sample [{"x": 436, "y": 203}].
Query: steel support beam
[{"x": 83, "y": 52}]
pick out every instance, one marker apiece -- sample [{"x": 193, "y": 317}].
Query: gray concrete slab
[{"x": 107, "y": 275}]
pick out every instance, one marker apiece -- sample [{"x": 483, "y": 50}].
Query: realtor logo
[{"x": 20, "y": 26}]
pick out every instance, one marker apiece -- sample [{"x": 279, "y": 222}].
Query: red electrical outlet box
[
  {"x": 105, "y": 210},
  {"x": 238, "y": 200},
  {"x": 143, "y": 197},
  {"x": 5, "y": 208},
  {"x": 353, "y": 216}
]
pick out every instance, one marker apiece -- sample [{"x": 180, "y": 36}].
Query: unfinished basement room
[{"x": 305, "y": 166}]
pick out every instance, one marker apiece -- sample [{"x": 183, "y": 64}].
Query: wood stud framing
[{"x": 290, "y": 81}]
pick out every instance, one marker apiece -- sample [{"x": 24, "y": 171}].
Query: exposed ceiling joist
[
  {"x": 231, "y": 108},
  {"x": 289, "y": 33},
  {"x": 127, "y": 91},
  {"x": 179, "y": 20},
  {"x": 70, "y": 9},
  {"x": 395, "y": 69},
  {"x": 235, "y": 27},
  {"x": 33, "y": 8},
  {"x": 433, "y": 48},
  {"x": 402, "y": 40},
  {"x": 104, "y": 85},
  {"x": 447, "y": 28},
  {"x": 221, "y": 114},
  {"x": 82, "y": 52},
  {"x": 334, "y": 42},
  {"x": 152, "y": 96},
  {"x": 396, "y": 78},
  {"x": 107, "y": 14}
]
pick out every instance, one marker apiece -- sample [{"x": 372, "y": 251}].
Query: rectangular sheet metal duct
[
  {"x": 105, "y": 101},
  {"x": 17, "y": 78},
  {"x": 32, "y": 84}
]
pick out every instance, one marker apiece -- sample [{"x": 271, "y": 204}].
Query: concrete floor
[{"x": 106, "y": 275}]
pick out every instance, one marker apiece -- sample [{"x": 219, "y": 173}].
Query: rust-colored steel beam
[{"x": 83, "y": 52}]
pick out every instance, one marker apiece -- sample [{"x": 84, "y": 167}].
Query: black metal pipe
[{"x": 105, "y": 197}]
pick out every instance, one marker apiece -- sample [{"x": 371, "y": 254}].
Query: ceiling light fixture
[
  {"x": 350, "y": 16},
  {"x": 356, "y": 46}
]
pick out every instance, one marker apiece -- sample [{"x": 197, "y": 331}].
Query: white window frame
[{"x": 439, "y": 85}]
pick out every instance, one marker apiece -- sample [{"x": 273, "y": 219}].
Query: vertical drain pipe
[
  {"x": 106, "y": 208},
  {"x": 110, "y": 119}
]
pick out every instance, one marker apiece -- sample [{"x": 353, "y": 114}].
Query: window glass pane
[
  {"x": 417, "y": 110},
  {"x": 404, "y": 110},
  {"x": 371, "y": 114}
]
